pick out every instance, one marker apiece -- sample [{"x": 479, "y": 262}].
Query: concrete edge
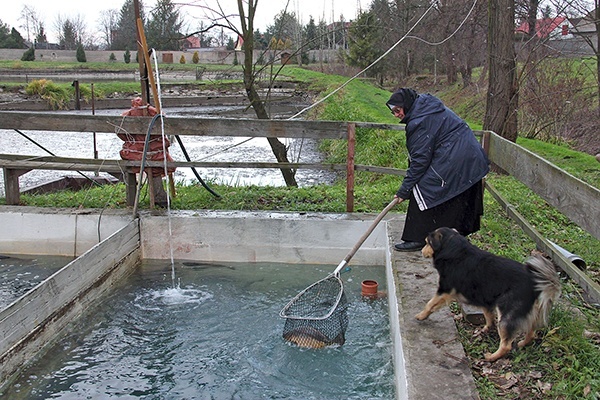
[{"x": 434, "y": 360}]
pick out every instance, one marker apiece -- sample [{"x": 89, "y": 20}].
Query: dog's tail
[{"x": 547, "y": 283}]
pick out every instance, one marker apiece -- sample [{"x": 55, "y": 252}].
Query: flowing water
[{"x": 215, "y": 336}]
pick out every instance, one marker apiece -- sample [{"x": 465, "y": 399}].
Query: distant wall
[{"x": 206, "y": 56}]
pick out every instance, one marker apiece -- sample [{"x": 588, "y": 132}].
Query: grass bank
[{"x": 564, "y": 363}]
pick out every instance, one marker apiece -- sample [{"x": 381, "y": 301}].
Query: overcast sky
[{"x": 89, "y": 10}]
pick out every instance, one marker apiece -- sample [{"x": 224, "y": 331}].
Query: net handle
[{"x": 365, "y": 235}]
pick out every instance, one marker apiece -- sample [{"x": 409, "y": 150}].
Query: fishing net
[{"x": 317, "y": 316}]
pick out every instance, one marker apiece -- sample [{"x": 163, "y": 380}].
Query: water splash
[
  {"x": 154, "y": 299},
  {"x": 177, "y": 295}
]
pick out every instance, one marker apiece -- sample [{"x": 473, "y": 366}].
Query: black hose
[{"x": 187, "y": 157}]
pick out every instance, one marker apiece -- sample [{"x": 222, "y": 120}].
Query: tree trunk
[
  {"x": 597, "y": 21},
  {"x": 502, "y": 96},
  {"x": 467, "y": 76}
]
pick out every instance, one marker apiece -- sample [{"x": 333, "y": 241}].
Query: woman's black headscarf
[{"x": 402, "y": 98}]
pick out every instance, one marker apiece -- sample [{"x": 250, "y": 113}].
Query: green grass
[
  {"x": 562, "y": 364},
  {"x": 578, "y": 164}
]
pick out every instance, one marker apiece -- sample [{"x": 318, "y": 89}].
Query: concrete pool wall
[{"x": 236, "y": 236}]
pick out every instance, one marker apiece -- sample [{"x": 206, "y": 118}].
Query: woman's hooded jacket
[{"x": 445, "y": 158}]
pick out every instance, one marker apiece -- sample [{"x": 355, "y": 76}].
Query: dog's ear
[
  {"x": 438, "y": 238},
  {"x": 435, "y": 239}
]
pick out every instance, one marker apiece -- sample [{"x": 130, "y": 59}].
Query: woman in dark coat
[{"x": 446, "y": 166}]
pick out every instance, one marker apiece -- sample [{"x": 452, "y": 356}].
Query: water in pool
[
  {"x": 19, "y": 274},
  {"x": 216, "y": 336}
]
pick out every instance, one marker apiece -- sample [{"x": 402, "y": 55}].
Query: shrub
[
  {"x": 56, "y": 96},
  {"x": 112, "y": 57},
  {"x": 80, "y": 54},
  {"x": 196, "y": 58},
  {"x": 182, "y": 59},
  {"x": 127, "y": 56},
  {"x": 29, "y": 55}
]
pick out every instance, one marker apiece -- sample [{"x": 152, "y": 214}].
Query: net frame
[{"x": 318, "y": 315}]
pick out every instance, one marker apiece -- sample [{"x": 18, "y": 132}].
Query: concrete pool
[
  {"x": 216, "y": 336},
  {"x": 114, "y": 242}
]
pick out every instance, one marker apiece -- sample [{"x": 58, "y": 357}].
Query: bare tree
[
  {"x": 252, "y": 71},
  {"x": 30, "y": 21},
  {"x": 552, "y": 94},
  {"x": 107, "y": 23},
  {"x": 250, "y": 76},
  {"x": 461, "y": 24}
]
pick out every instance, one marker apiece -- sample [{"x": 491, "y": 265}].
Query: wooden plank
[
  {"x": 110, "y": 165},
  {"x": 380, "y": 170},
  {"x": 591, "y": 288},
  {"x": 47, "y": 297},
  {"x": 385, "y": 127},
  {"x": 118, "y": 166},
  {"x": 179, "y": 125},
  {"x": 576, "y": 199}
]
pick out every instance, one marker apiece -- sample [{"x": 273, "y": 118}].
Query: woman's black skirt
[{"x": 462, "y": 212}]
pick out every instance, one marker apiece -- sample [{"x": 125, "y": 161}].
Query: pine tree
[
  {"x": 29, "y": 55},
  {"x": 125, "y": 36},
  {"x": 80, "y": 54},
  {"x": 164, "y": 27},
  {"x": 365, "y": 35}
]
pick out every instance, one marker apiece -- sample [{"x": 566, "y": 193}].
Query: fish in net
[{"x": 317, "y": 316}]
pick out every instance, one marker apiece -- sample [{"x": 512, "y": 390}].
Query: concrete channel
[{"x": 429, "y": 361}]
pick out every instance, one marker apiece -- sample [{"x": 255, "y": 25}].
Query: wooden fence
[
  {"x": 14, "y": 166},
  {"x": 577, "y": 200}
]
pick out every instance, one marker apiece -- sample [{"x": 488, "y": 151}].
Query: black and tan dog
[{"x": 521, "y": 295}]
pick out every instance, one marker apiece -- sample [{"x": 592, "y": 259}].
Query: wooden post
[
  {"x": 485, "y": 142},
  {"x": 151, "y": 189},
  {"x": 141, "y": 58},
  {"x": 131, "y": 186},
  {"x": 171, "y": 185},
  {"x": 75, "y": 84},
  {"x": 11, "y": 185},
  {"x": 143, "y": 44},
  {"x": 350, "y": 168}
]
